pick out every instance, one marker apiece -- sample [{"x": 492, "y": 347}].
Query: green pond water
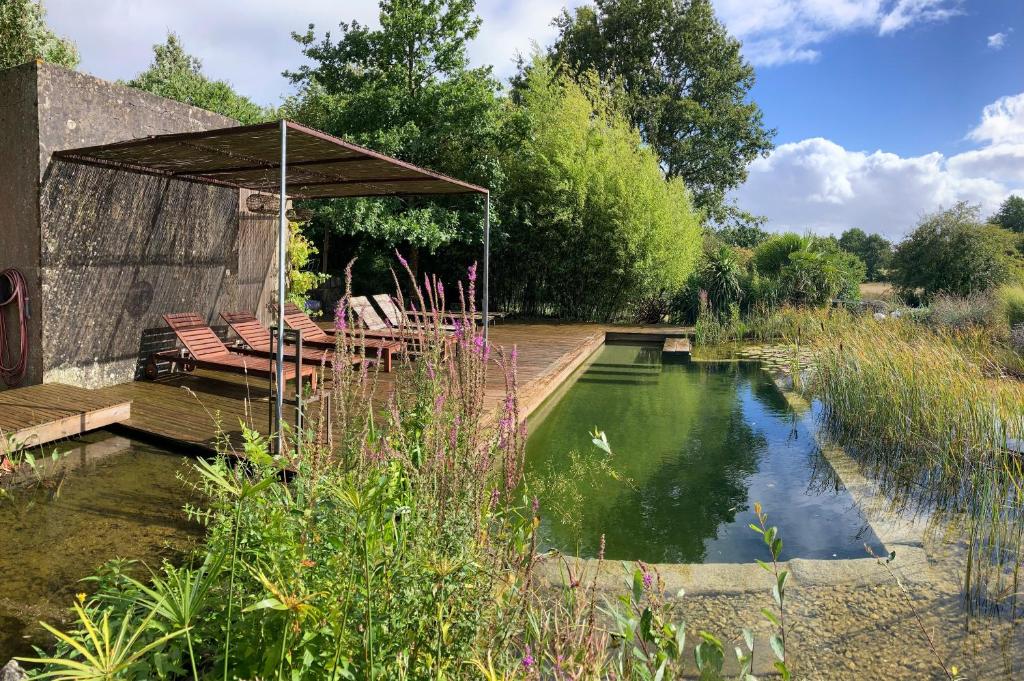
[
  {"x": 108, "y": 497},
  {"x": 695, "y": 445}
]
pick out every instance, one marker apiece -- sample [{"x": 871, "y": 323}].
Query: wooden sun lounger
[
  {"x": 448, "y": 316},
  {"x": 257, "y": 337},
  {"x": 205, "y": 350},
  {"x": 398, "y": 318},
  {"x": 376, "y": 332},
  {"x": 383, "y": 346}
]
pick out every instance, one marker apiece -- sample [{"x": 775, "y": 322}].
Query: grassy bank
[{"x": 934, "y": 415}]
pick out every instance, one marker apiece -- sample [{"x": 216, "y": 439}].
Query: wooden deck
[
  {"x": 39, "y": 414},
  {"x": 184, "y": 408}
]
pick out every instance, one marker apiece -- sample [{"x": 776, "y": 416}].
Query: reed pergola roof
[{"x": 249, "y": 157}]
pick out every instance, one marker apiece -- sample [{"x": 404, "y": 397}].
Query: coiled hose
[{"x": 12, "y": 366}]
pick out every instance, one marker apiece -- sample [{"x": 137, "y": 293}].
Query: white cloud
[
  {"x": 818, "y": 185},
  {"x": 996, "y": 41},
  {"x": 784, "y": 31},
  {"x": 906, "y": 12},
  {"x": 1001, "y": 121}
]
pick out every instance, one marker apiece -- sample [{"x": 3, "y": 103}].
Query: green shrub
[
  {"x": 772, "y": 255},
  {"x": 820, "y": 273},
  {"x": 952, "y": 252}
]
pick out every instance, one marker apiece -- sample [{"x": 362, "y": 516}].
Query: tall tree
[
  {"x": 593, "y": 227},
  {"x": 1010, "y": 214},
  {"x": 177, "y": 75},
  {"x": 685, "y": 82},
  {"x": 405, "y": 89},
  {"x": 24, "y": 36},
  {"x": 873, "y": 249}
]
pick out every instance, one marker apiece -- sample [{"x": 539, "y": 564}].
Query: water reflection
[{"x": 696, "y": 444}]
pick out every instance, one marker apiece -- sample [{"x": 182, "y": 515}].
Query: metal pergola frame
[{"x": 256, "y": 157}]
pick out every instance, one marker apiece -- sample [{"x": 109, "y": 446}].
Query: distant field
[{"x": 875, "y": 290}]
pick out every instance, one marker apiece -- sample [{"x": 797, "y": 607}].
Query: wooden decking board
[
  {"x": 676, "y": 346},
  {"x": 38, "y": 414}
]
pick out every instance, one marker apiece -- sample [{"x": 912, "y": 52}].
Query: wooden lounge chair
[
  {"x": 376, "y": 331},
  {"x": 205, "y": 350},
  {"x": 257, "y": 337},
  {"x": 399, "y": 319},
  {"x": 384, "y": 346},
  {"x": 447, "y": 317}
]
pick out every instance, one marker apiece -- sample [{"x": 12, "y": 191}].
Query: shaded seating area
[
  {"x": 318, "y": 347},
  {"x": 203, "y": 349},
  {"x": 283, "y": 160}
]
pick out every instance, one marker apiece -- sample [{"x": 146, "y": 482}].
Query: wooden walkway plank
[{"x": 38, "y": 414}]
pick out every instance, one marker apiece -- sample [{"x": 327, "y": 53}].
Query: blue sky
[
  {"x": 912, "y": 92},
  {"x": 885, "y": 109}
]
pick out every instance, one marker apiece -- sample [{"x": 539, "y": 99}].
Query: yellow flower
[{"x": 80, "y": 597}]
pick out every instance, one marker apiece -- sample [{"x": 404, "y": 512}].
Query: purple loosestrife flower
[
  {"x": 528, "y": 660},
  {"x": 339, "y": 317},
  {"x": 648, "y": 578},
  {"x": 405, "y": 263},
  {"x": 471, "y": 272}
]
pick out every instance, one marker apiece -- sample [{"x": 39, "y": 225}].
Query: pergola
[{"x": 293, "y": 161}]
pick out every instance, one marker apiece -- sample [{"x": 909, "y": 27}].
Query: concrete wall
[
  {"x": 116, "y": 250},
  {"x": 19, "y": 201}
]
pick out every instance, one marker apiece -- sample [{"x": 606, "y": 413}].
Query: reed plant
[{"x": 931, "y": 411}]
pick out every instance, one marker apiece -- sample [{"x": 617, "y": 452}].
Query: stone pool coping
[{"x": 904, "y": 537}]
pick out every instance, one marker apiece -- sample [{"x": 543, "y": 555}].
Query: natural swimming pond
[
  {"x": 110, "y": 497},
  {"x": 695, "y": 445}
]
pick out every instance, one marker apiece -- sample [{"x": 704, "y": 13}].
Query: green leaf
[
  {"x": 748, "y": 639},
  {"x": 265, "y": 604},
  {"x": 770, "y": 616},
  {"x": 776, "y": 643}
]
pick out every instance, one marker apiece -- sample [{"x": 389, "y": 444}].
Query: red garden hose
[{"x": 12, "y": 367}]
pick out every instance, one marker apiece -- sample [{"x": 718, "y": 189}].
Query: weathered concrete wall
[
  {"x": 19, "y": 200},
  {"x": 119, "y": 249}
]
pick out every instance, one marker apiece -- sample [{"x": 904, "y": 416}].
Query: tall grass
[{"x": 934, "y": 413}]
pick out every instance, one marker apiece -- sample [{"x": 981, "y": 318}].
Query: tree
[
  {"x": 24, "y": 36},
  {"x": 592, "y": 226},
  {"x": 685, "y": 85},
  {"x": 405, "y": 89},
  {"x": 1010, "y": 214},
  {"x": 177, "y": 75},
  {"x": 952, "y": 252},
  {"x": 874, "y": 250}
]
